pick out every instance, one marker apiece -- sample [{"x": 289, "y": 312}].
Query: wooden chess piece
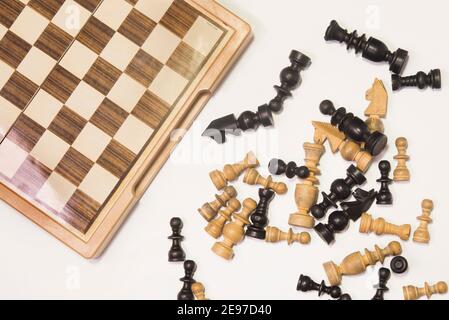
[
  {"x": 384, "y": 197},
  {"x": 259, "y": 219},
  {"x": 345, "y": 297},
  {"x": 340, "y": 190},
  {"x": 354, "y": 128},
  {"x": 215, "y": 227},
  {"x": 356, "y": 263},
  {"x": 401, "y": 173},
  {"x": 399, "y": 264},
  {"x": 372, "y": 49},
  {"x": 186, "y": 290},
  {"x": 421, "y": 234},
  {"x": 414, "y": 293},
  {"x": 380, "y": 227},
  {"x": 384, "y": 276},
  {"x": 305, "y": 284},
  {"x": 278, "y": 167},
  {"x": 378, "y": 106},
  {"x": 421, "y": 80},
  {"x": 199, "y": 291},
  {"x": 176, "y": 253},
  {"x": 234, "y": 232},
  {"x": 275, "y": 235},
  {"x": 252, "y": 177},
  {"x": 232, "y": 171},
  {"x": 210, "y": 210}
]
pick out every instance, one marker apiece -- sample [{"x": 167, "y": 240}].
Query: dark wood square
[
  {"x": 186, "y": 61},
  {"x": 54, "y": 41},
  {"x": 151, "y": 109},
  {"x": 47, "y": 8},
  {"x": 102, "y": 76},
  {"x": 90, "y": 5},
  {"x": 26, "y": 133},
  {"x": 67, "y": 125},
  {"x": 137, "y": 27},
  {"x": 31, "y": 176},
  {"x": 9, "y": 11},
  {"x": 80, "y": 211},
  {"x": 144, "y": 68},
  {"x": 116, "y": 158},
  {"x": 13, "y": 49},
  {"x": 19, "y": 90},
  {"x": 61, "y": 83},
  {"x": 132, "y": 2},
  {"x": 179, "y": 18},
  {"x": 74, "y": 166},
  {"x": 95, "y": 35},
  {"x": 109, "y": 117}
]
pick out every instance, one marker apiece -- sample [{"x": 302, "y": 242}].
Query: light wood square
[
  {"x": 3, "y": 31},
  {"x": 43, "y": 108},
  {"x": 168, "y": 85},
  {"x": 71, "y": 17},
  {"x": 154, "y": 9},
  {"x": 203, "y": 36},
  {"x": 29, "y": 25},
  {"x": 113, "y": 13},
  {"x": 36, "y": 66},
  {"x": 85, "y": 100},
  {"x": 133, "y": 134},
  {"x": 5, "y": 73},
  {"x": 50, "y": 149},
  {"x": 56, "y": 191},
  {"x": 11, "y": 158},
  {"x": 99, "y": 183},
  {"x": 161, "y": 43},
  {"x": 8, "y": 115},
  {"x": 119, "y": 51},
  {"x": 25, "y": 1},
  {"x": 78, "y": 59},
  {"x": 91, "y": 142},
  {"x": 126, "y": 93}
]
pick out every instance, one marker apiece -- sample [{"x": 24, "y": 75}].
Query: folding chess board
[{"x": 90, "y": 94}]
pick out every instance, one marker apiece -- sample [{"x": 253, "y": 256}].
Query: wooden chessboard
[{"x": 90, "y": 93}]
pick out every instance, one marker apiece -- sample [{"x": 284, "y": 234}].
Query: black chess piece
[
  {"x": 248, "y": 120},
  {"x": 186, "y": 290},
  {"x": 259, "y": 219},
  {"x": 421, "y": 80},
  {"x": 340, "y": 190},
  {"x": 399, "y": 264},
  {"x": 384, "y": 197},
  {"x": 354, "y": 128},
  {"x": 373, "y": 49},
  {"x": 306, "y": 284},
  {"x": 279, "y": 167},
  {"x": 176, "y": 252},
  {"x": 345, "y": 297},
  {"x": 338, "y": 221},
  {"x": 384, "y": 276}
]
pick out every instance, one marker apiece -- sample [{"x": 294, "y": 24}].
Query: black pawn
[
  {"x": 306, "y": 284},
  {"x": 345, "y": 297},
  {"x": 290, "y": 79},
  {"x": 340, "y": 190},
  {"x": 373, "y": 49},
  {"x": 354, "y": 128},
  {"x": 384, "y": 276},
  {"x": 399, "y": 265},
  {"x": 384, "y": 197},
  {"x": 421, "y": 80},
  {"x": 176, "y": 252},
  {"x": 186, "y": 290},
  {"x": 279, "y": 167},
  {"x": 259, "y": 219}
]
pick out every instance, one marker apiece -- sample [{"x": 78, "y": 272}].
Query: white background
[{"x": 35, "y": 265}]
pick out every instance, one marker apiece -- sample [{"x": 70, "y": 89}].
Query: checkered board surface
[{"x": 84, "y": 84}]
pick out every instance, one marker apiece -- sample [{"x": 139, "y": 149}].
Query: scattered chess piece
[
  {"x": 384, "y": 276},
  {"x": 401, "y": 173},
  {"x": 278, "y": 167},
  {"x": 233, "y": 232},
  {"x": 210, "y": 210},
  {"x": 345, "y": 297},
  {"x": 199, "y": 291},
  {"x": 399, "y": 265},
  {"x": 259, "y": 219},
  {"x": 186, "y": 290},
  {"x": 421, "y": 234},
  {"x": 414, "y": 293},
  {"x": 373, "y": 49},
  {"x": 340, "y": 190},
  {"x": 356, "y": 263},
  {"x": 421, "y": 80},
  {"x": 248, "y": 120},
  {"x": 176, "y": 253},
  {"x": 380, "y": 227},
  {"x": 354, "y": 128},
  {"x": 384, "y": 197},
  {"x": 378, "y": 106},
  {"x": 232, "y": 171},
  {"x": 305, "y": 284},
  {"x": 252, "y": 177},
  {"x": 215, "y": 227},
  {"x": 339, "y": 220},
  {"x": 275, "y": 235}
]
